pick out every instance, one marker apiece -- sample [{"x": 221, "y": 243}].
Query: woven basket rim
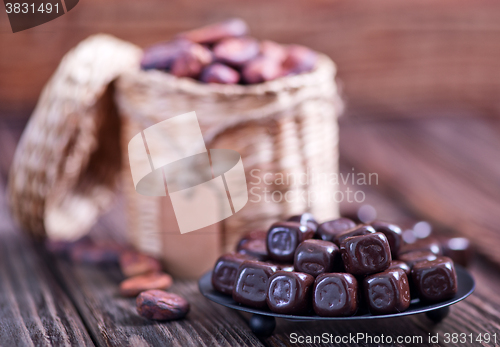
[{"x": 324, "y": 68}]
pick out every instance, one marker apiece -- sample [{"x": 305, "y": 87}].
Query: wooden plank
[
  {"x": 113, "y": 320},
  {"x": 445, "y": 170}
]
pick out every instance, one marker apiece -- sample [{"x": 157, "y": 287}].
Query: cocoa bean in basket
[
  {"x": 134, "y": 285},
  {"x": 299, "y": 59},
  {"x": 220, "y": 73},
  {"x": 133, "y": 263},
  {"x": 261, "y": 69},
  {"x": 211, "y": 33},
  {"x": 162, "y": 55},
  {"x": 236, "y": 51},
  {"x": 160, "y": 305},
  {"x": 273, "y": 50},
  {"x": 190, "y": 61}
]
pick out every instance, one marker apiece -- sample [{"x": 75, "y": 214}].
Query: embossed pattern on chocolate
[
  {"x": 387, "y": 292},
  {"x": 335, "y": 294},
  {"x": 250, "y": 287},
  {"x": 316, "y": 256},
  {"x": 283, "y": 239},
  {"x": 289, "y": 292},
  {"x": 366, "y": 254},
  {"x": 225, "y": 270},
  {"x": 435, "y": 280}
]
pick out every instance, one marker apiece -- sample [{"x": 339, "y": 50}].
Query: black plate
[{"x": 435, "y": 311}]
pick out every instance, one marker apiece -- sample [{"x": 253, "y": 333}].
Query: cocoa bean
[
  {"x": 133, "y": 264},
  {"x": 134, "y": 285},
  {"x": 236, "y": 51},
  {"x": 299, "y": 59},
  {"x": 162, "y": 55},
  {"x": 190, "y": 61},
  {"x": 273, "y": 50},
  {"x": 215, "y": 32},
  {"x": 219, "y": 73},
  {"x": 160, "y": 305},
  {"x": 261, "y": 69}
]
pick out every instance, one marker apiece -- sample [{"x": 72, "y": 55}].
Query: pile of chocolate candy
[
  {"x": 224, "y": 53},
  {"x": 334, "y": 269}
]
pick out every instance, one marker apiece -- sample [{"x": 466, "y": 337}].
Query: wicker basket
[
  {"x": 284, "y": 128},
  {"x": 66, "y": 166}
]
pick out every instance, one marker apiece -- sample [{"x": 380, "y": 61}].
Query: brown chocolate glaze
[
  {"x": 398, "y": 264},
  {"x": 435, "y": 280},
  {"x": 250, "y": 286},
  {"x": 387, "y": 292},
  {"x": 366, "y": 254},
  {"x": 255, "y": 248},
  {"x": 283, "y": 239},
  {"x": 335, "y": 294},
  {"x": 328, "y": 230},
  {"x": 393, "y": 234},
  {"x": 289, "y": 292},
  {"x": 316, "y": 256},
  {"x": 356, "y": 231},
  {"x": 252, "y": 235},
  {"x": 412, "y": 258},
  {"x": 225, "y": 271},
  {"x": 459, "y": 249}
]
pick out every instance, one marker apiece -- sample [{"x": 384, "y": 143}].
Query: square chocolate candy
[
  {"x": 316, "y": 256},
  {"x": 250, "y": 286},
  {"x": 225, "y": 270},
  {"x": 289, "y": 292},
  {"x": 335, "y": 295},
  {"x": 283, "y": 239},
  {"x": 411, "y": 258},
  {"x": 366, "y": 254},
  {"x": 328, "y": 230},
  {"x": 392, "y": 232},
  {"x": 387, "y": 292},
  {"x": 435, "y": 280},
  {"x": 305, "y": 219},
  {"x": 357, "y": 231}
]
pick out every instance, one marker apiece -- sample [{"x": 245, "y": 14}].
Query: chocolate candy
[
  {"x": 299, "y": 59},
  {"x": 236, "y": 51},
  {"x": 250, "y": 286},
  {"x": 427, "y": 244},
  {"x": 212, "y": 33},
  {"x": 283, "y": 239},
  {"x": 357, "y": 231},
  {"x": 252, "y": 235},
  {"x": 387, "y": 292},
  {"x": 328, "y": 230},
  {"x": 133, "y": 264},
  {"x": 160, "y": 305},
  {"x": 366, "y": 254},
  {"x": 459, "y": 249},
  {"x": 255, "y": 248},
  {"x": 225, "y": 271},
  {"x": 289, "y": 292},
  {"x": 398, "y": 264},
  {"x": 435, "y": 280},
  {"x": 393, "y": 234},
  {"x": 305, "y": 219},
  {"x": 335, "y": 294},
  {"x": 315, "y": 257},
  {"x": 134, "y": 285},
  {"x": 261, "y": 69},
  {"x": 412, "y": 258},
  {"x": 219, "y": 73}
]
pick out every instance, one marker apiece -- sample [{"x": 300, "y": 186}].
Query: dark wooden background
[
  {"x": 421, "y": 80},
  {"x": 395, "y": 58}
]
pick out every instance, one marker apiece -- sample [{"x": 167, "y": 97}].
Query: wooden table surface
[{"x": 46, "y": 300}]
